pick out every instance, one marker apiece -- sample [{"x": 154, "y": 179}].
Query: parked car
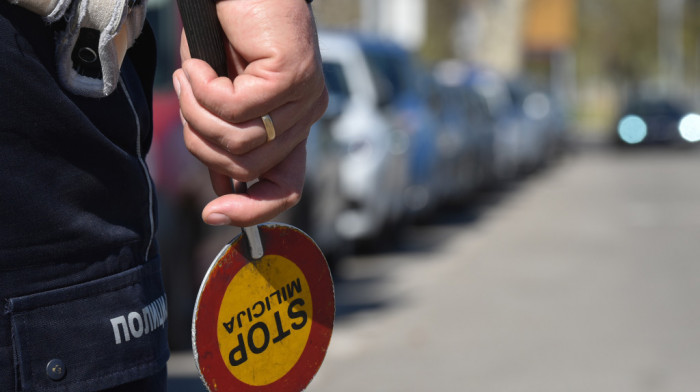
[
  {"x": 544, "y": 107},
  {"x": 509, "y": 129},
  {"x": 535, "y": 111},
  {"x": 403, "y": 85},
  {"x": 457, "y": 147},
  {"x": 482, "y": 127},
  {"x": 372, "y": 154},
  {"x": 529, "y": 126},
  {"x": 470, "y": 114}
]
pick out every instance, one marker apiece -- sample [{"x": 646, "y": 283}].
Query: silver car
[{"x": 372, "y": 168}]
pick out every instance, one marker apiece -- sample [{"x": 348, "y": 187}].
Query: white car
[{"x": 372, "y": 169}]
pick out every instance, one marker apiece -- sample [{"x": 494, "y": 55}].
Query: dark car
[{"x": 657, "y": 121}]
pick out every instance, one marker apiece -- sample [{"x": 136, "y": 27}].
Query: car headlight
[
  {"x": 632, "y": 129},
  {"x": 689, "y": 128}
]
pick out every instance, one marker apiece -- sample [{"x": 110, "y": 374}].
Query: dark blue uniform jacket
[{"x": 82, "y": 305}]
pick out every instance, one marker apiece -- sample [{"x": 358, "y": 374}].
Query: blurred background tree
[
  {"x": 618, "y": 39},
  {"x": 443, "y": 16}
]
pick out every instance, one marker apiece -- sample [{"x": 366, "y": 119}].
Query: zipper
[{"x": 144, "y": 167}]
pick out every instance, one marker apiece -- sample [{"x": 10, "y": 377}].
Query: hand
[{"x": 274, "y": 68}]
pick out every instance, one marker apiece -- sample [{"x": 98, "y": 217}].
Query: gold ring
[{"x": 269, "y": 127}]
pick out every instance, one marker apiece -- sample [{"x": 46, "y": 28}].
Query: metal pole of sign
[{"x": 207, "y": 42}]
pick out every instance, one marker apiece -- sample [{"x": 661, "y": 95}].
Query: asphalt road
[{"x": 585, "y": 277}]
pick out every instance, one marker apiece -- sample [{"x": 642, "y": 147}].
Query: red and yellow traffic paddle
[
  {"x": 264, "y": 324},
  {"x": 264, "y": 313}
]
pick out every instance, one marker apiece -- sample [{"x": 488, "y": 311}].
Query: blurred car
[
  {"x": 372, "y": 168},
  {"x": 552, "y": 113},
  {"x": 456, "y": 146},
  {"x": 657, "y": 121},
  {"x": 482, "y": 128},
  {"x": 538, "y": 117},
  {"x": 508, "y": 127},
  {"x": 530, "y": 127},
  {"x": 469, "y": 113},
  {"x": 403, "y": 83}
]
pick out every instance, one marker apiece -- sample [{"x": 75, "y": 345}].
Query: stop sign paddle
[{"x": 264, "y": 324}]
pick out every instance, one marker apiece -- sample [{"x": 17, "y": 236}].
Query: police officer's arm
[{"x": 275, "y": 59}]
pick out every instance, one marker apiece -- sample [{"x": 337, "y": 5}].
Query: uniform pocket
[{"x": 93, "y": 335}]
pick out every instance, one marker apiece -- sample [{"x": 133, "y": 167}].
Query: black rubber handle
[{"x": 204, "y": 34}]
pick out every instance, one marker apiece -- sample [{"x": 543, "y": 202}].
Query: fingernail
[{"x": 217, "y": 219}]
